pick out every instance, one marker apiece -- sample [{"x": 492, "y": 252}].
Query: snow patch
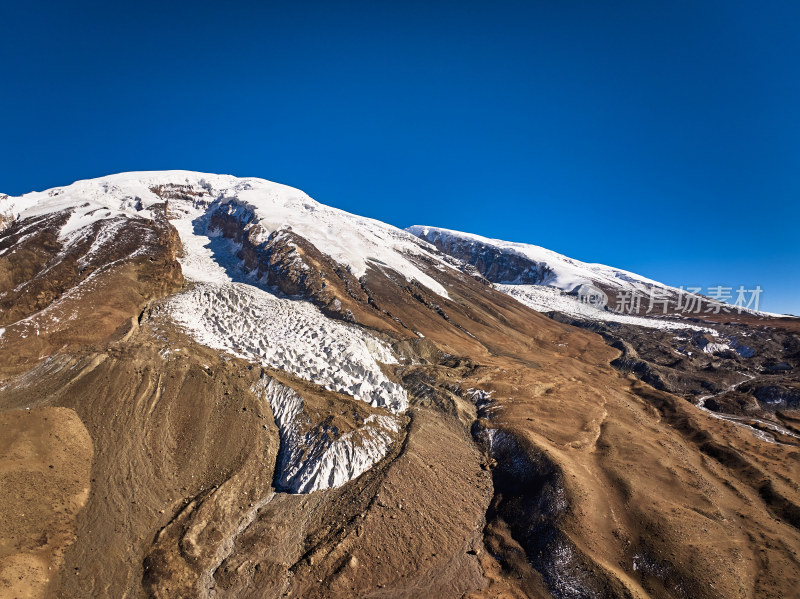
[
  {"x": 564, "y": 273},
  {"x": 550, "y": 299},
  {"x": 276, "y": 332},
  {"x": 311, "y": 461},
  {"x": 715, "y": 348},
  {"x": 289, "y": 335}
]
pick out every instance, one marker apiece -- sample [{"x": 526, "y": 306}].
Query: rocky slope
[
  {"x": 219, "y": 387},
  {"x": 741, "y": 364}
]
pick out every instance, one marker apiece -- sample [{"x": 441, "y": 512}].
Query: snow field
[{"x": 289, "y": 335}]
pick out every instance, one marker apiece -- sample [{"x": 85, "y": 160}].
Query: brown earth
[{"x": 45, "y": 461}]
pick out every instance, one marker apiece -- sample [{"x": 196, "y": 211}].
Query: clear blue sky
[{"x": 660, "y": 137}]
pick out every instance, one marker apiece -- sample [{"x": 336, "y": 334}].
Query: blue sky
[{"x": 660, "y": 137}]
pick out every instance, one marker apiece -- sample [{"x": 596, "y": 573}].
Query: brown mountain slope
[{"x": 526, "y": 465}]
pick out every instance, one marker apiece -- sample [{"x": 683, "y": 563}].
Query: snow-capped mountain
[
  {"x": 231, "y": 307},
  {"x": 214, "y": 386},
  {"x": 351, "y": 240},
  {"x": 551, "y": 282}
]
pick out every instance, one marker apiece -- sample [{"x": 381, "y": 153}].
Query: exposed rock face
[
  {"x": 730, "y": 372},
  {"x": 778, "y": 396},
  {"x": 291, "y": 264},
  {"x": 496, "y": 265},
  {"x": 426, "y": 436},
  {"x": 38, "y": 266},
  {"x": 110, "y": 270},
  {"x": 532, "y": 520}
]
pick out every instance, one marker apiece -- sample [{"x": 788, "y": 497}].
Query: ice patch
[
  {"x": 310, "y": 461},
  {"x": 289, "y": 335},
  {"x": 715, "y": 348}
]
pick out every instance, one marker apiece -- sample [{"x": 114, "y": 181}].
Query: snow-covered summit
[{"x": 351, "y": 240}]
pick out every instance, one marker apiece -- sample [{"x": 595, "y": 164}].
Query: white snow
[
  {"x": 351, "y": 240},
  {"x": 715, "y": 348},
  {"x": 355, "y": 241},
  {"x": 310, "y": 462},
  {"x": 87, "y": 201},
  {"x": 200, "y": 262},
  {"x": 289, "y": 335},
  {"x": 225, "y": 312},
  {"x": 550, "y": 299}
]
